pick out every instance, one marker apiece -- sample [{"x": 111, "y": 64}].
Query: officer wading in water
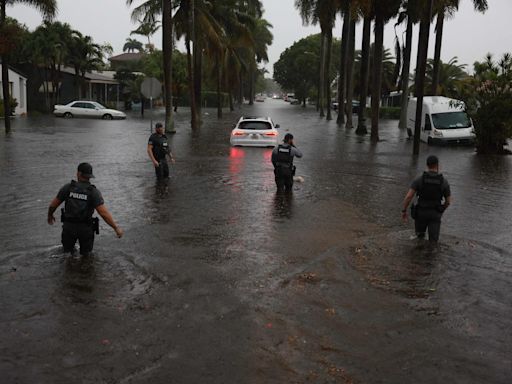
[
  {"x": 282, "y": 159},
  {"x": 80, "y": 199},
  {"x": 158, "y": 150},
  {"x": 434, "y": 197}
]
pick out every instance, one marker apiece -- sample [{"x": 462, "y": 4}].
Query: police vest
[
  {"x": 160, "y": 148},
  {"x": 430, "y": 193},
  {"x": 284, "y": 156},
  {"x": 78, "y": 207}
]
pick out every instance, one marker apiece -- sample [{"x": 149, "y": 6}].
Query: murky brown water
[{"x": 218, "y": 280}]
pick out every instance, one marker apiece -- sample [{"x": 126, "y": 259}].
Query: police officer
[
  {"x": 80, "y": 199},
  {"x": 434, "y": 196},
  {"x": 282, "y": 159},
  {"x": 158, "y": 150}
]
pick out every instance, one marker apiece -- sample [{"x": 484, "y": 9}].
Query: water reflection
[
  {"x": 398, "y": 263},
  {"x": 283, "y": 205},
  {"x": 79, "y": 278},
  {"x": 491, "y": 168},
  {"x": 155, "y": 201},
  {"x": 419, "y": 277},
  {"x": 267, "y": 156},
  {"x": 160, "y": 210},
  {"x": 162, "y": 189},
  {"x": 236, "y": 157}
]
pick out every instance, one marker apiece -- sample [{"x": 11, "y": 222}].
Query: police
[
  {"x": 282, "y": 159},
  {"x": 80, "y": 199},
  {"x": 158, "y": 150},
  {"x": 434, "y": 196}
]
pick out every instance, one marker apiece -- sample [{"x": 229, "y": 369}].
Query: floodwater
[{"x": 218, "y": 280}]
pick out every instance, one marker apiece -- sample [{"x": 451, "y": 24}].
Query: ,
[
  {"x": 255, "y": 132},
  {"x": 445, "y": 121},
  {"x": 89, "y": 109}
]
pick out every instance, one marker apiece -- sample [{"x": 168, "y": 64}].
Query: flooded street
[{"x": 218, "y": 280}]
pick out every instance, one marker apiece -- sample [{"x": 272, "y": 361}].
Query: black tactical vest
[
  {"x": 78, "y": 207},
  {"x": 284, "y": 156},
  {"x": 160, "y": 147},
  {"x": 431, "y": 191}
]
